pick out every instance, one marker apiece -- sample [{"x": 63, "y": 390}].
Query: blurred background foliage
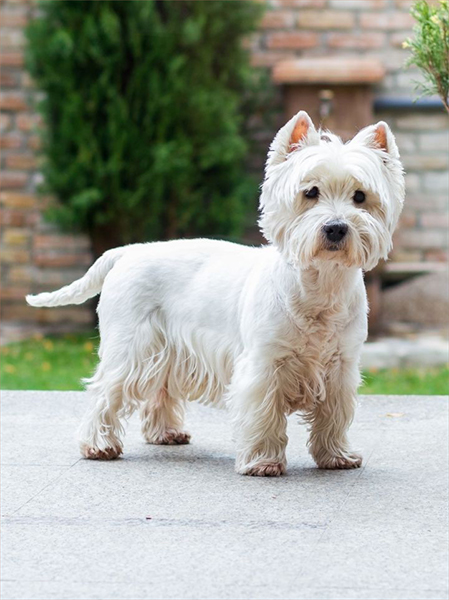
[{"x": 145, "y": 106}]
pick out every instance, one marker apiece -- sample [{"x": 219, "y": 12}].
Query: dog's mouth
[{"x": 333, "y": 246}]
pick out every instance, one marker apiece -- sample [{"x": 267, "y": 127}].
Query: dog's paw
[
  {"x": 97, "y": 454},
  {"x": 171, "y": 437},
  {"x": 346, "y": 461},
  {"x": 264, "y": 469}
]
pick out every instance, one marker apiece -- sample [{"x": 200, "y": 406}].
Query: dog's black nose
[{"x": 335, "y": 230}]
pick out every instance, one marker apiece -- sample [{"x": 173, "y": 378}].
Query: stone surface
[
  {"x": 395, "y": 353},
  {"x": 424, "y": 300},
  {"x": 177, "y": 522},
  {"x": 328, "y": 70}
]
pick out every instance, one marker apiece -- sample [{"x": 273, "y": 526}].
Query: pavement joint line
[
  {"x": 45, "y": 487},
  {"x": 318, "y": 588}
]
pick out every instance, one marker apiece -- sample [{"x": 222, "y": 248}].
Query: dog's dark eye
[
  {"x": 359, "y": 197},
  {"x": 312, "y": 193}
]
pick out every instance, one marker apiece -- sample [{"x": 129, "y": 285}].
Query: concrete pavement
[{"x": 177, "y": 522}]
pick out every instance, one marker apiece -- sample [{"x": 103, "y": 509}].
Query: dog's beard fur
[{"x": 266, "y": 331}]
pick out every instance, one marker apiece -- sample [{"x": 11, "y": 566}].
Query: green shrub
[
  {"x": 143, "y": 111},
  {"x": 430, "y": 48}
]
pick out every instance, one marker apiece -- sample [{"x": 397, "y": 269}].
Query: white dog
[{"x": 265, "y": 331}]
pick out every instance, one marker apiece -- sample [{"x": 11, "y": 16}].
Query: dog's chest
[{"x": 316, "y": 355}]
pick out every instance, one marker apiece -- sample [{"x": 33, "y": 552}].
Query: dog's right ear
[{"x": 296, "y": 134}]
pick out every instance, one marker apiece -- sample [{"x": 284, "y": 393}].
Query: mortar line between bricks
[{"x": 46, "y": 486}]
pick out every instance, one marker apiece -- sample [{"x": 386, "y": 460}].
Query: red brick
[
  {"x": 12, "y": 38},
  {"x": 397, "y": 39},
  {"x": 424, "y": 239},
  {"x": 21, "y": 274},
  {"x": 82, "y": 316},
  {"x": 17, "y": 200},
  {"x": 34, "y": 142},
  {"x": 302, "y": 3},
  {"x": 27, "y": 80},
  {"x": 434, "y": 220},
  {"x": 14, "y": 19},
  {"x": 407, "y": 220},
  {"x": 386, "y": 20},
  {"x": 14, "y": 311},
  {"x": 27, "y": 122},
  {"x": 8, "y": 79},
  {"x": 5, "y": 122},
  {"x": 11, "y": 140},
  {"x": 423, "y": 162},
  {"x": 62, "y": 260},
  {"x": 53, "y": 279},
  {"x": 407, "y": 4},
  {"x": 406, "y": 256},
  {"x": 24, "y": 162},
  {"x": 45, "y": 241},
  {"x": 276, "y": 19},
  {"x": 293, "y": 40},
  {"x": 12, "y": 218},
  {"x": 358, "y": 4},
  {"x": 15, "y": 255},
  {"x": 269, "y": 59},
  {"x": 14, "y": 293},
  {"x": 13, "y": 236},
  {"x": 436, "y": 256},
  {"x": 11, "y": 180},
  {"x": 372, "y": 39},
  {"x": 325, "y": 19},
  {"x": 11, "y": 59},
  {"x": 13, "y": 101}
]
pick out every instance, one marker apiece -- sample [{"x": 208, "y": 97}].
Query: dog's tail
[{"x": 80, "y": 290}]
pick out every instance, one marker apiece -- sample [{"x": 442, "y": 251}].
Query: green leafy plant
[
  {"x": 144, "y": 114},
  {"x": 430, "y": 48}
]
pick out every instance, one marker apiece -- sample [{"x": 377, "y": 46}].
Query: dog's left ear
[
  {"x": 378, "y": 136},
  {"x": 296, "y": 134}
]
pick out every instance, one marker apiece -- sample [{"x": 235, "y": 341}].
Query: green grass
[
  {"x": 51, "y": 363},
  {"x": 59, "y": 363},
  {"x": 407, "y": 381}
]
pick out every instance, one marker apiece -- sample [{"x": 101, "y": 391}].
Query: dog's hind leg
[
  {"x": 163, "y": 418},
  {"x": 100, "y": 430},
  {"x": 113, "y": 392}
]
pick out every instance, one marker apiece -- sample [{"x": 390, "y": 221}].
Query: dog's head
[{"x": 323, "y": 200}]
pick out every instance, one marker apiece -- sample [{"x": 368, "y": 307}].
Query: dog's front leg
[
  {"x": 256, "y": 405},
  {"x": 331, "y": 418}
]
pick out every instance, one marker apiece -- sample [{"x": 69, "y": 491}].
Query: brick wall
[{"x": 36, "y": 256}]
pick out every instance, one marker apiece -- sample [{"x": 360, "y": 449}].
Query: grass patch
[
  {"x": 59, "y": 363},
  {"x": 49, "y": 363},
  {"x": 430, "y": 381}
]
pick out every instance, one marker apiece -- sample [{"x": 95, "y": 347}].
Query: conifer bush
[
  {"x": 429, "y": 48},
  {"x": 143, "y": 109}
]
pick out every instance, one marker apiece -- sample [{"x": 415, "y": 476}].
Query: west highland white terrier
[{"x": 264, "y": 331}]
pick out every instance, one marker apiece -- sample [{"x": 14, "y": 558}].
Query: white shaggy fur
[{"x": 265, "y": 331}]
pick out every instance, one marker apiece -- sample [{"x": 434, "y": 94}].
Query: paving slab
[{"x": 178, "y": 522}]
